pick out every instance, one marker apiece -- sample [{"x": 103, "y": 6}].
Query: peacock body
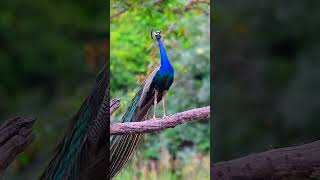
[{"x": 151, "y": 91}]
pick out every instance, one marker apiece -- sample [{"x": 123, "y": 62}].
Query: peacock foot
[{"x": 164, "y": 115}]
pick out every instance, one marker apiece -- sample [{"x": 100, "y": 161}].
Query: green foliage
[
  {"x": 134, "y": 54},
  {"x": 24, "y": 159}
]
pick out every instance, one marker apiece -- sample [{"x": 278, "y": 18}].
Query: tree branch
[
  {"x": 15, "y": 135},
  {"x": 297, "y": 161},
  {"x": 127, "y": 6},
  {"x": 158, "y": 124}
]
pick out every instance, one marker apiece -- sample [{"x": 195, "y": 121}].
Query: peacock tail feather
[
  {"x": 122, "y": 146},
  {"x": 83, "y": 151}
]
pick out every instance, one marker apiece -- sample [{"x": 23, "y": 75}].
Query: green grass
[{"x": 197, "y": 168}]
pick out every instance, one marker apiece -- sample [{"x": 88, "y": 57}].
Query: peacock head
[{"x": 156, "y": 34}]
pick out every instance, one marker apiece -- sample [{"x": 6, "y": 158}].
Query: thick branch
[
  {"x": 15, "y": 135},
  {"x": 297, "y": 161},
  {"x": 160, "y": 124}
]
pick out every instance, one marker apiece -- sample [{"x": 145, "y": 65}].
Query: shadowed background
[
  {"x": 267, "y": 76},
  {"x": 50, "y": 53}
]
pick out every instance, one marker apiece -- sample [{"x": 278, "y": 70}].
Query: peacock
[
  {"x": 151, "y": 91},
  {"x": 83, "y": 153}
]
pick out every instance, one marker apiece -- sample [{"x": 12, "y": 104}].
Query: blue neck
[{"x": 165, "y": 63}]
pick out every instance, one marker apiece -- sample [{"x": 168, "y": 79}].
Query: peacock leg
[
  {"x": 155, "y": 103},
  {"x": 163, "y": 103}
]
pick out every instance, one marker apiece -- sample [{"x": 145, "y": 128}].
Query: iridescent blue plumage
[
  {"x": 151, "y": 91},
  {"x": 164, "y": 76}
]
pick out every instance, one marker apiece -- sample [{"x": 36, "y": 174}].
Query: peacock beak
[{"x": 156, "y": 34}]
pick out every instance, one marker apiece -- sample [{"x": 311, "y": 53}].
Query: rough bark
[
  {"x": 158, "y": 124},
  {"x": 15, "y": 135},
  {"x": 298, "y": 161}
]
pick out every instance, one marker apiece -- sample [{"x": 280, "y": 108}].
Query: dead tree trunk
[
  {"x": 15, "y": 135},
  {"x": 298, "y": 161}
]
